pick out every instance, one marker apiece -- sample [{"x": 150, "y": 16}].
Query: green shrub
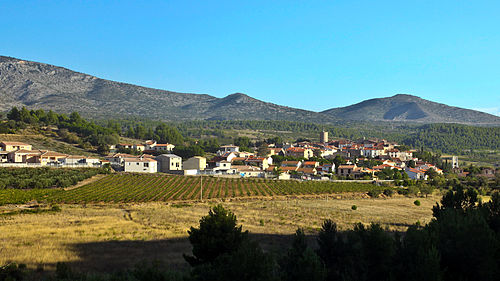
[
  {"x": 388, "y": 192},
  {"x": 354, "y": 207},
  {"x": 416, "y": 202},
  {"x": 374, "y": 193}
]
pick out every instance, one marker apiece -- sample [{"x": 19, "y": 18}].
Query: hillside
[
  {"x": 40, "y": 85},
  {"x": 410, "y": 108}
]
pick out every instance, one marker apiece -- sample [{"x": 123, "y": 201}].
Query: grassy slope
[{"x": 46, "y": 141}]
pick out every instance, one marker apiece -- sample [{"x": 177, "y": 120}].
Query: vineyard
[{"x": 145, "y": 188}]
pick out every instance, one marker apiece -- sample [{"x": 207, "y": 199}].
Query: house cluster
[
  {"x": 230, "y": 161},
  {"x": 149, "y": 146},
  {"x": 22, "y": 154}
]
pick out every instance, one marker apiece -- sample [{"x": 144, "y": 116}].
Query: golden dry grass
[{"x": 109, "y": 237}]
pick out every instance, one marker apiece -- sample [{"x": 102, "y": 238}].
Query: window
[{"x": 146, "y": 165}]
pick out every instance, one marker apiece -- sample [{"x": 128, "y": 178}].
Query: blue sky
[{"x": 313, "y": 55}]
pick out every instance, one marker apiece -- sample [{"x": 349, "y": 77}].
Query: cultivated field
[
  {"x": 129, "y": 188},
  {"x": 106, "y": 237}
]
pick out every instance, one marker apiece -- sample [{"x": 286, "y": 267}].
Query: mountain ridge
[{"x": 41, "y": 85}]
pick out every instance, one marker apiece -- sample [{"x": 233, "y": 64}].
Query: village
[{"x": 305, "y": 160}]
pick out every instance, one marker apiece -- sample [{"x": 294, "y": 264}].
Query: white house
[
  {"x": 228, "y": 148},
  {"x": 415, "y": 174},
  {"x": 166, "y": 147},
  {"x": 371, "y": 152},
  {"x": 140, "y": 165}
]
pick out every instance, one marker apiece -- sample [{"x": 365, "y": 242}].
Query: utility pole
[{"x": 201, "y": 187}]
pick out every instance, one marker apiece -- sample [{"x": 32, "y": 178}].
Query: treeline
[
  {"x": 454, "y": 138},
  {"x": 443, "y": 138},
  {"x": 28, "y": 178},
  {"x": 87, "y": 134},
  {"x": 72, "y": 129}
]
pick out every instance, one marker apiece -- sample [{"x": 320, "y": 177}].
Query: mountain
[
  {"x": 403, "y": 107},
  {"x": 39, "y": 85}
]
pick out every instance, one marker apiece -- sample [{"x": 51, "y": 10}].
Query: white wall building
[{"x": 140, "y": 165}]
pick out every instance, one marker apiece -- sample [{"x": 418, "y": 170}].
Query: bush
[
  {"x": 388, "y": 192},
  {"x": 416, "y": 202},
  {"x": 374, "y": 193},
  {"x": 354, "y": 207}
]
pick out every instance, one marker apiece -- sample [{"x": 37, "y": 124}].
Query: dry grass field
[{"x": 112, "y": 236}]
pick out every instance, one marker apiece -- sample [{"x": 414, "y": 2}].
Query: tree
[
  {"x": 263, "y": 150},
  {"x": 301, "y": 263},
  {"x": 331, "y": 249},
  {"x": 216, "y": 236},
  {"x": 103, "y": 149},
  {"x": 14, "y": 114},
  {"x": 243, "y": 143},
  {"x": 277, "y": 171},
  {"x": 247, "y": 263},
  {"x": 168, "y": 134},
  {"x": 417, "y": 257}
]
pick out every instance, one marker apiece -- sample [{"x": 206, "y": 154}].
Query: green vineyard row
[{"x": 124, "y": 188}]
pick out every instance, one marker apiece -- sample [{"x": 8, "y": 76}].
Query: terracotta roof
[
  {"x": 238, "y": 159},
  {"x": 307, "y": 170},
  {"x": 270, "y": 168},
  {"x": 296, "y": 149},
  {"x": 48, "y": 153},
  {"x": 163, "y": 144},
  {"x": 347, "y": 166}
]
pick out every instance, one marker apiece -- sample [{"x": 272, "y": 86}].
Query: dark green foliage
[
  {"x": 24, "y": 178},
  {"x": 301, "y": 262},
  {"x": 468, "y": 246},
  {"x": 73, "y": 129},
  {"x": 188, "y": 151},
  {"x": 416, "y": 202},
  {"x": 168, "y": 134},
  {"x": 360, "y": 254},
  {"x": 221, "y": 251},
  {"x": 417, "y": 257},
  {"x": 354, "y": 207},
  {"x": 331, "y": 249},
  {"x": 388, "y": 192},
  {"x": 377, "y": 250},
  {"x": 217, "y": 235},
  {"x": 246, "y": 263},
  {"x": 460, "y": 200},
  {"x": 374, "y": 193}
]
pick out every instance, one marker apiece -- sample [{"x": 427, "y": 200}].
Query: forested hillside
[{"x": 97, "y": 134}]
